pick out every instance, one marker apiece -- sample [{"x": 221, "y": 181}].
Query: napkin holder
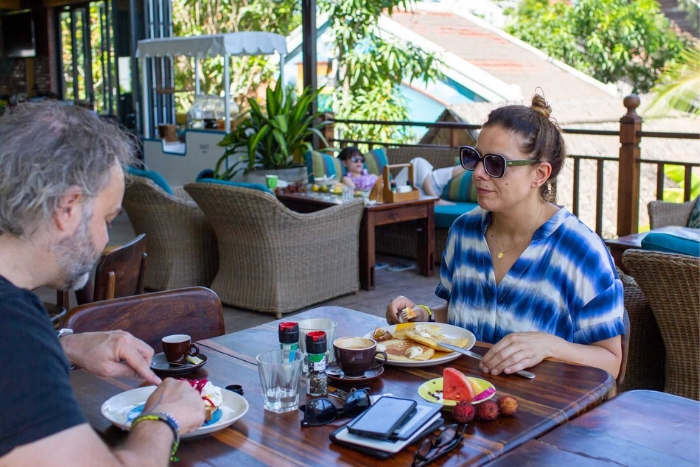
[{"x": 394, "y": 196}]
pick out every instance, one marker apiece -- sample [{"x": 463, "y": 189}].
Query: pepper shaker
[{"x": 316, "y": 361}]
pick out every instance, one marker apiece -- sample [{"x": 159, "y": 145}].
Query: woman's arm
[
  {"x": 346, "y": 180},
  {"x": 521, "y": 350}
]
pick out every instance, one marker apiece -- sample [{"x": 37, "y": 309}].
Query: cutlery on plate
[{"x": 469, "y": 353}]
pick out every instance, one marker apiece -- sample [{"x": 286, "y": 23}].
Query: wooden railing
[{"x": 629, "y": 160}]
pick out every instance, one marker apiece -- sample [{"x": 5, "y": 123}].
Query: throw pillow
[
  {"x": 155, "y": 177},
  {"x": 375, "y": 160},
  {"x": 320, "y": 165},
  {"x": 252, "y": 186},
  {"x": 460, "y": 188},
  {"x": 694, "y": 220}
]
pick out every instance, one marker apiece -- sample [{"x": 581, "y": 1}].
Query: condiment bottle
[
  {"x": 288, "y": 333},
  {"x": 316, "y": 345}
]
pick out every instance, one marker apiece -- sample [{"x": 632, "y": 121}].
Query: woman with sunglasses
[
  {"x": 518, "y": 271},
  {"x": 356, "y": 176}
]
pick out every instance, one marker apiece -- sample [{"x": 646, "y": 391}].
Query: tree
[
  {"x": 610, "y": 40},
  {"x": 678, "y": 86},
  {"x": 371, "y": 68}
]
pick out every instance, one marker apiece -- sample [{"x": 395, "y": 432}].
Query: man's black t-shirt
[{"x": 36, "y": 398}]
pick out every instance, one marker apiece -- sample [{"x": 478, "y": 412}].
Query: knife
[{"x": 469, "y": 353}]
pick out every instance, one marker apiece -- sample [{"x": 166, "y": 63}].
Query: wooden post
[
  {"x": 628, "y": 178},
  {"x": 328, "y": 131}
]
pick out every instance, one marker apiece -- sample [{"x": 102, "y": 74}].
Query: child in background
[{"x": 357, "y": 176}]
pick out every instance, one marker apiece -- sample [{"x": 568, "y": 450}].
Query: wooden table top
[
  {"x": 315, "y": 198},
  {"x": 636, "y": 428},
  {"x": 559, "y": 393}
]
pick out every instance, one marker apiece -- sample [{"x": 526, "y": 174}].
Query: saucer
[
  {"x": 336, "y": 374},
  {"x": 161, "y": 366}
]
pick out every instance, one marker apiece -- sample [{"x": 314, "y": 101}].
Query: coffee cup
[
  {"x": 178, "y": 347},
  {"x": 356, "y": 355},
  {"x": 271, "y": 181}
]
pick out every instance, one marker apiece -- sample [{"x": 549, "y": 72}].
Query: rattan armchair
[
  {"x": 275, "y": 260},
  {"x": 671, "y": 283},
  {"x": 662, "y": 213},
  {"x": 181, "y": 243}
]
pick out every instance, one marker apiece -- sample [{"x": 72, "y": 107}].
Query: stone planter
[{"x": 292, "y": 175}]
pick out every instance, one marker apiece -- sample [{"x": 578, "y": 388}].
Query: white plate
[
  {"x": 447, "y": 330},
  {"x": 326, "y": 180},
  {"x": 116, "y": 409}
]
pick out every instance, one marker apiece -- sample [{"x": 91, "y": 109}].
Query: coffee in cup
[
  {"x": 178, "y": 347},
  {"x": 356, "y": 355}
]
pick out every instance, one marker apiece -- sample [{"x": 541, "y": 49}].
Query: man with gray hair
[{"x": 61, "y": 184}]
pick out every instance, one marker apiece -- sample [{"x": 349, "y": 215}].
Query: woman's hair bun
[{"x": 541, "y": 106}]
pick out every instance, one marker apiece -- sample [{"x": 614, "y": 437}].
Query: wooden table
[
  {"x": 559, "y": 393},
  {"x": 619, "y": 245},
  {"x": 637, "y": 428},
  {"x": 421, "y": 210}
]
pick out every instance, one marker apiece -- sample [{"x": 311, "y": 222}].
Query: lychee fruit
[
  {"x": 487, "y": 410},
  {"x": 463, "y": 412},
  {"x": 508, "y": 405}
]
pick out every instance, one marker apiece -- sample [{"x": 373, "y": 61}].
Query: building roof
[{"x": 499, "y": 54}]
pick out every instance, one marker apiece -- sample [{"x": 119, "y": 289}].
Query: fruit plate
[
  {"x": 448, "y": 330},
  {"x": 119, "y": 408},
  {"x": 432, "y": 391}
]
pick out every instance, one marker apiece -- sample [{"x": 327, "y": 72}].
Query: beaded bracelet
[
  {"x": 170, "y": 421},
  {"x": 431, "y": 318}
]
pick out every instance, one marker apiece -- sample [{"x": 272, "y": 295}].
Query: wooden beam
[
  {"x": 628, "y": 178},
  {"x": 10, "y": 5}
]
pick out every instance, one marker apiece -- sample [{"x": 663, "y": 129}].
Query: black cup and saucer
[
  {"x": 336, "y": 374},
  {"x": 356, "y": 360},
  {"x": 174, "y": 359}
]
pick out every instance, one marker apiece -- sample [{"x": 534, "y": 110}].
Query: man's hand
[
  {"x": 518, "y": 351},
  {"x": 112, "y": 353},
  {"x": 398, "y": 304},
  {"x": 179, "y": 400}
]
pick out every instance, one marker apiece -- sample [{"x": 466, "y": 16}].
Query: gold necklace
[{"x": 502, "y": 251}]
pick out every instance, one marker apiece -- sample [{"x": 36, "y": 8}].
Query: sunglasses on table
[
  {"x": 356, "y": 159},
  {"x": 318, "y": 412},
  {"x": 438, "y": 445},
  {"x": 494, "y": 164}
]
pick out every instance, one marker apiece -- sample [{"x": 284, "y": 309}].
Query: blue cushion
[
  {"x": 252, "y": 186},
  {"x": 460, "y": 188},
  {"x": 684, "y": 241},
  {"x": 323, "y": 165},
  {"x": 155, "y": 177},
  {"x": 206, "y": 173},
  {"x": 694, "y": 219},
  {"x": 375, "y": 160},
  {"x": 446, "y": 215}
]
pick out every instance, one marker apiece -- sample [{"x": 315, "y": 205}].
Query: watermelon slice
[{"x": 456, "y": 386}]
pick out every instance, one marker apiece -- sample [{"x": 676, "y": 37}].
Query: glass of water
[
  {"x": 348, "y": 193},
  {"x": 280, "y": 376}
]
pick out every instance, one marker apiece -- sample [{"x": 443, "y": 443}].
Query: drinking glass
[
  {"x": 348, "y": 193},
  {"x": 318, "y": 324},
  {"x": 280, "y": 376}
]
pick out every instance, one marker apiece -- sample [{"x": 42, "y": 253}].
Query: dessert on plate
[{"x": 211, "y": 395}]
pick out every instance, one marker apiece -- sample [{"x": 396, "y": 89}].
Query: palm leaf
[{"x": 679, "y": 85}]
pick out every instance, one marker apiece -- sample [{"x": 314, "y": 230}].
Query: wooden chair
[
  {"x": 662, "y": 213},
  {"x": 120, "y": 273},
  {"x": 195, "y": 311},
  {"x": 671, "y": 283}
]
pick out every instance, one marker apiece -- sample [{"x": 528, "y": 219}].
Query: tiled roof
[{"x": 498, "y": 54}]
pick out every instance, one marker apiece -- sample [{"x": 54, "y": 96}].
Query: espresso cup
[
  {"x": 178, "y": 346},
  {"x": 356, "y": 355}
]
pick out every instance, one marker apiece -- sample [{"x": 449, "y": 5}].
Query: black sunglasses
[
  {"x": 438, "y": 445},
  {"x": 357, "y": 159},
  {"x": 494, "y": 164},
  {"x": 321, "y": 411}
]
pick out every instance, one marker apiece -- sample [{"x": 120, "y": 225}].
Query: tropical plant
[
  {"x": 611, "y": 40},
  {"x": 678, "y": 86},
  {"x": 274, "y": 137}
]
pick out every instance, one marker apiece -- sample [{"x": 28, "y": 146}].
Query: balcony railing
[{"x": 629, "y": 161}]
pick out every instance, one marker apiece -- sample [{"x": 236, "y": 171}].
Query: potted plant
[{"x": 272, "y": 140}]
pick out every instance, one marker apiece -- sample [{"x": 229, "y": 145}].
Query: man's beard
[{"x": 75, "y": 255}]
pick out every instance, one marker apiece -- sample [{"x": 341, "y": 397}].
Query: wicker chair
[
  {"x": 646, "y": 354},
  {"x": 181, "y": 243},
  {"x": 276, "y": 260},
  {"x": 662, "y": 213},
  {"x": 672, "y": 285}
]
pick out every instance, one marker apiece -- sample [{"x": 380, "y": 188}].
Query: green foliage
[
  {"x": 610, "y": 40},
  {"x": 273, "y": 136},
  {"x": 371, "y": 68},
  {"x": 248, "y": 74},
  {"x": 678, "y": 86},
  {"x": 677, "y": 174}
]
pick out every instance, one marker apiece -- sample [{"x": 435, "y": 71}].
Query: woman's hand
[
  {"x": 518, "y": 351},
  {"x": 395, "y": 307},
  {"x": 347, "y": 181}
]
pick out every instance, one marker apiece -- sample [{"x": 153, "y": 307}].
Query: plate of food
[
  {"x": 325, "y": 180},
  {"x": 416, "y": 344},
  {"x": 223, "y": 407},
  {"x": 454, "y": 386}
]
